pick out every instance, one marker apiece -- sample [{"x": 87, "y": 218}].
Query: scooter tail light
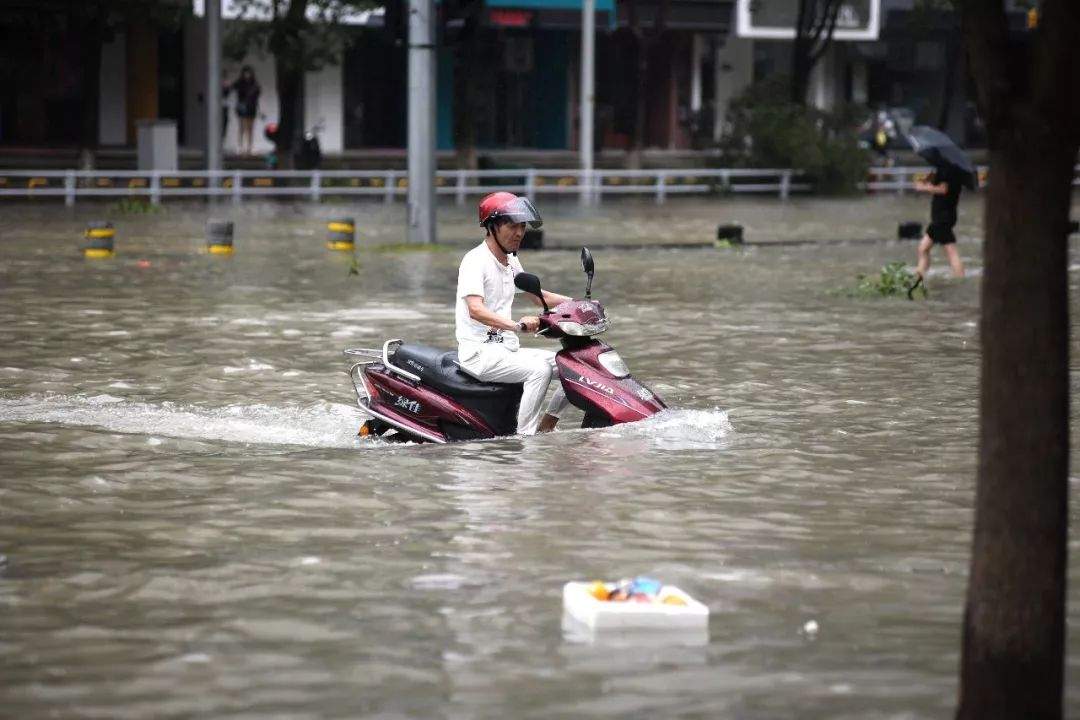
[
  {"x": 613, "y": 363},
  {"x": 372, "y": 391}
]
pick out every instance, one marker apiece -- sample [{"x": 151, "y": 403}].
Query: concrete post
[
  {"x": 697, "y": 47},
  {"x": 69, "y": 188},
  {"x": 460, "y": 187},
  {"x": 420, "y": 211},
  {"x": 588, "y": 75},
  {"x": 388, "y": 185}
]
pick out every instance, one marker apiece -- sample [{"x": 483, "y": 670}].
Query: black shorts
[{"x": 941, "y": 233}]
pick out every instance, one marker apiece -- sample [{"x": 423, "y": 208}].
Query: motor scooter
[{"x": 419, "y": 393}]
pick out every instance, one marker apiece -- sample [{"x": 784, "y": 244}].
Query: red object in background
[
  {"x": 511, "y": 18},
  {"x": 143, "y": 263}
]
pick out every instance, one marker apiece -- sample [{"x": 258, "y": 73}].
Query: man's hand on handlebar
[{"x": 531, "y": 322}]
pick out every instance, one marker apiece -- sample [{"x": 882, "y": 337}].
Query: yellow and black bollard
[
  {"x": 99, "y": 239},
  {"x": 729, "y": 234},
  {"x": 909, "y": 230},
  {"x": 341, "y": 234},
  {"x": 219, "y": 237}
]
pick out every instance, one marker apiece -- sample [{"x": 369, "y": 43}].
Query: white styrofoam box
[{"x": 580, "y": 604}]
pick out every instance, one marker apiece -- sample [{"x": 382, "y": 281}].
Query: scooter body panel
[
  {"x": 592, "y": 388},
  {"x": 419, "y": 409}
]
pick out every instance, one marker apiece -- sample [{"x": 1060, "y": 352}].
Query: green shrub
[
  {"x": 765, "y": 129},
  {"x": 894, "y": 280},
  {"x": 135, "y": 206}
]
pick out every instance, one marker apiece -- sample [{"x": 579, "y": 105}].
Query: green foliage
[
  {"x": 297, "y": 43},
  {"x": 766, "y": 129},
  {"x": 894, "y": 280},
  {"x": 135, "y": 206},
  {"x": 407, "y": 247}
]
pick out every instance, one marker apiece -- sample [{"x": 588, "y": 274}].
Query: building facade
[{"x": 665, "y": 73}]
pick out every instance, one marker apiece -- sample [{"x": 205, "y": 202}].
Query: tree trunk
[
  {"x": 643, "y": 49},
  {"x": 800, "y": 52},
  {"x": 90, "y": 58},
  {"x": 815, "y": 23},
  {"x": 1014, "y": 619},
  {"x": 290, "y": 84},
  {"x": 637, "y": 137},
  {"x": 952, "y": 57},
  {"x": 287, "y": 45},
  {"x": 466, "y": 107},
  {"x": 800, "y": 74}
]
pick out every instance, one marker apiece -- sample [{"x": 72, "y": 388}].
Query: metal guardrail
[{"x": 391, "y": 184}]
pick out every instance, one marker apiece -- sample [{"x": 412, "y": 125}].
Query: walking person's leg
[
  {"x": 954, "y": 259},
  {"x": 922, "y": 263},
  {"x": 922, "y": 266},
  {"x": 249, "y": 126}
]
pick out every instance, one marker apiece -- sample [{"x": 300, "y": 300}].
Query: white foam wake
[
  {"x": 316, "y": 425},
  {"x": 681, "y": 429}
]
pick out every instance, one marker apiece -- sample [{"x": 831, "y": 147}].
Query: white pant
[{"x": 531, "y": 367}]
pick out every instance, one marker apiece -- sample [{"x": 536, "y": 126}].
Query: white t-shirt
[{"x": 482, "y": 274}]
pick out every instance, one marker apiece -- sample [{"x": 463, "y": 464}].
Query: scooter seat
[{"x": 439, "y": 369}]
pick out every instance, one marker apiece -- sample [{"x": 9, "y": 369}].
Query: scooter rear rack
[{"x": 363, "y": 397}]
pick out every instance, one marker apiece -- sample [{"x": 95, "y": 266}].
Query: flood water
[{"x": 190, "y": 526}]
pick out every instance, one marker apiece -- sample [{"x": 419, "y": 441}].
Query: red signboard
[{"x": 503, "y": 17}]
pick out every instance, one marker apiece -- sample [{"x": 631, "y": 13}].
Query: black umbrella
[{"x": 939, "y": 150}]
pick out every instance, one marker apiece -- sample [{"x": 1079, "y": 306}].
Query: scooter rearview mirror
[
  {"x": 586, "y": 261},
  {"x": 530, "y": 284},
  {"x": 587, "y": 266}
]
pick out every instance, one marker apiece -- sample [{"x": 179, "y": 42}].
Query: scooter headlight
[
  {"x": 572, "y": 328},
  {"x": 613, "y": 363},
  {"x": 586, "y": 329}
]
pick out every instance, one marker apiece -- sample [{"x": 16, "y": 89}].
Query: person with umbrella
[{"x": 952, "y": 171}]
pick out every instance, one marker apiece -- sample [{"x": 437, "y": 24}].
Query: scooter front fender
[{"x": 589, "y": 386}]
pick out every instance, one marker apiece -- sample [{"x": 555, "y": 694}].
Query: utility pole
[
  {"x": 420, "y": 210},
  {"x": 213, "y": 86},
  {"x": 588, "y": 63}
]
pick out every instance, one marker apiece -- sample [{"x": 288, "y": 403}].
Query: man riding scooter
[{"x": 488, "y": 347}]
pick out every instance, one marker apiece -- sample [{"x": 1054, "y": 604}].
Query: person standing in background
[{"x": 247, "y": 106}]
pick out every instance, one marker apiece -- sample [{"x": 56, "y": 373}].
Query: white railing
[
  {"x": 391, "y": 184},
  {"x": 902, "y": 179}
]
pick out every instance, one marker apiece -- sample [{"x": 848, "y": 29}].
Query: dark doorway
[{"x": 376, "y": 92}]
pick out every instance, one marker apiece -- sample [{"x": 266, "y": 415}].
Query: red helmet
[{"x": 507, "y": 205}]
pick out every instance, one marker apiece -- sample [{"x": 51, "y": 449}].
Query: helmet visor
[{"x": 520, "y": 210}]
